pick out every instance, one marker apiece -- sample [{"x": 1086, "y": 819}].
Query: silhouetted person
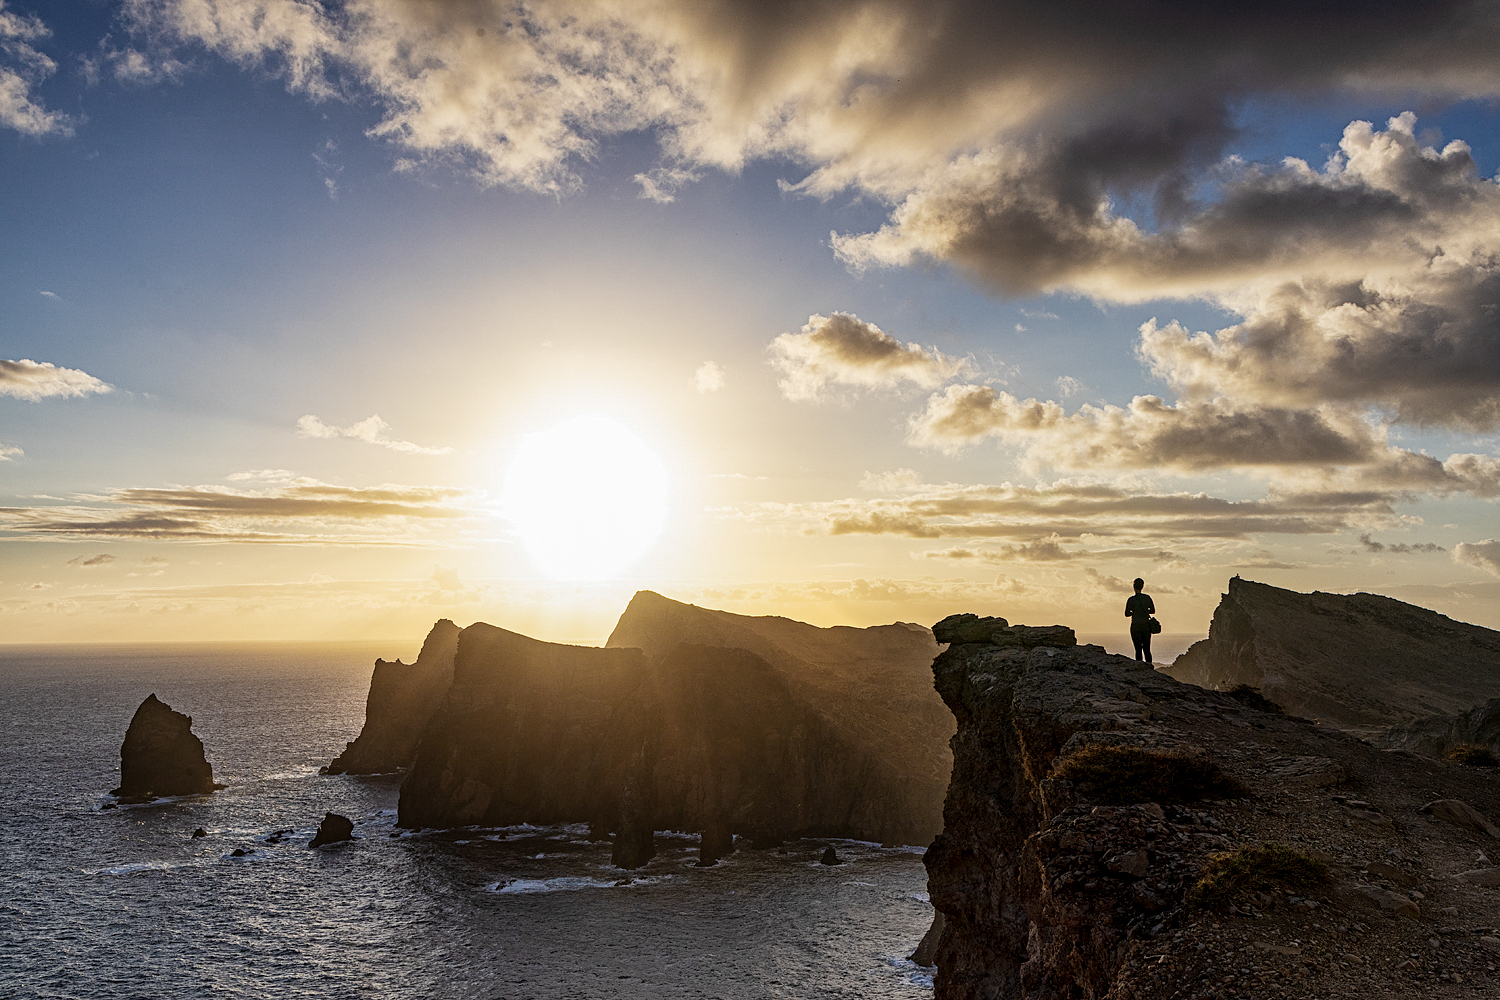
[{"x": 1139, "y": 609}]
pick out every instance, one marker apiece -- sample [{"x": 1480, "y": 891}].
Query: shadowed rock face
[
  {"x": 722, "y": 725},
  {"x": 873, "y": 757},
  {"x": 529, "y": 732},
  {"x": 401, "y": 701},
  {"x": 1357, "y": 660},
  {"x": 161, "y": 756},
  {"x": 1436, "y": 735},
  {"x": 1059, "y": 877}
]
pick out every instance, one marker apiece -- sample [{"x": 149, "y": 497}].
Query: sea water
[{"x": 124, "y": 903}]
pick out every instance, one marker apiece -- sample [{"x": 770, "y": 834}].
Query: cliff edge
[
  {"x": 402, "y": 699},
  {"x": 1358, "y": 661},
  {"x": 1110, "y": 832}
]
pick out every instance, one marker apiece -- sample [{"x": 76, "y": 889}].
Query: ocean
[{"x": 124, "y": 903}]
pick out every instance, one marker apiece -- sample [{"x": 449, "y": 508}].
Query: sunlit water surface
[{"x": 123, "y": 902}]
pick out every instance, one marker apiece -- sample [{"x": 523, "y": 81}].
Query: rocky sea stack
[
  {"x": 1110, "y": 832},
  {"x": 332, "y": 830},
  {"x": 161, "y": 756},
  {"x": 1354, "y": 660}
]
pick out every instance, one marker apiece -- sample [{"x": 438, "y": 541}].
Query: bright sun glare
[{"x": 587, "y": 497}]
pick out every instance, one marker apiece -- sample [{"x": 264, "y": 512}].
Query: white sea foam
[
  {"x": 142, "y": 866},
  {"x": 567, "y": 883}
]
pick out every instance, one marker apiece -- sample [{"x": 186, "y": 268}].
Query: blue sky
[{"x": 230, "y": 253}]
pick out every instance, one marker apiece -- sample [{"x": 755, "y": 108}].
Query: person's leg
[
  {"x": 1146, "y": 647},
  {"x": 1140, "y": 643}
]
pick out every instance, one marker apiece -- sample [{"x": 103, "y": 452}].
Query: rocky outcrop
[
  {"x": 1440, "y": 735},
  {"x": 402, "y": 699},
  {"x": 690, "y": 720},
  {"x": 333, "y": 830},
  {"x": 1110, "y": 832},
  {"x": 1357, "y": 661},
  {"x": 161, "y": 756}
]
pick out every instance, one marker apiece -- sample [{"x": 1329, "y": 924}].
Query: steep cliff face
[
  {"x": 1112, "y": 833},
  {"x": 529, "y": 732},
  {"x": 816, "y": 732},
  {"x": 868, "y": 689},
  {"x": 161, "y": 756},
  {"x": 402, "y": 699},
  {"x": 1356, "y": 660}
]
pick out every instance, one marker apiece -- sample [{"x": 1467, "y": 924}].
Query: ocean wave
[
  {"x": 143, "y": 866},
  {"x": 568, "y": 883}
]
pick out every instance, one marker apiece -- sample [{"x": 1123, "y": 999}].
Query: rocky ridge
[
  {"x": 691, "y": 720},
  {"x": 1358, "y": 661},
  {"x": 1440, "y": 735},
  {"x": 402, "y": 699},
  {"x": 161, "y": 756},
  {"x": 1113, "y": 833}
]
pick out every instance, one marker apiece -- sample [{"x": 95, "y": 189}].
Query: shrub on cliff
[
  {"x": 1118, "y": 775},
  {"x": 1473, "y": 755},
  {"x": 1256, "y": 869}
]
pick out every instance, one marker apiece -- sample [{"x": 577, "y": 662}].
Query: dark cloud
[
  {"x": 102, "y": 559},
  {"x": 1398, "y": 548},
  {"x": 1483, "y": 555}
]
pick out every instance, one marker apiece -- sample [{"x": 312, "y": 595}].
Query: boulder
[
  {"x": 161, "y": 756},
  {"x": 332, "y": 830},
  {"x": 830, "y": 857},
  {"x": 967, "y": 628},
  {"x": 1460, "y": 813}
]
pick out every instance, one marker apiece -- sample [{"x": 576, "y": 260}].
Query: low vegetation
[
  {"x": 1120, "y": 775},
  {"x": 1263, "y": 868},
  {"x": 1473, "y": 755}
]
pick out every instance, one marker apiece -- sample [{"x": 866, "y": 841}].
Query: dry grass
[
  {"x": 1473, "y": 755},
  {"x": 1256, "y": 869},
  {"x": 1116, "y": 775}
]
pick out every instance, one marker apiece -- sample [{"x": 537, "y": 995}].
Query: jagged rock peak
[
  {"x": 402, "y": 698},
  {"x": 161, "y": 756},
  {"x": 972, "y": 628},
  {"x": 1359, "y": 661}
]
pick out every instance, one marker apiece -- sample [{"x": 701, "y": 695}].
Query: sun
[{"x": 588, "y": 498}]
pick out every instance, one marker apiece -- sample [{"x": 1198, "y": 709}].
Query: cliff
[
  {"x": 1357, "y": 660},
  {"x": 869, "y": 690},
  {"x": 1110, "y": 832},
  {"x": 690, "y": 720},
  {"x": 161, "y": 756},
  {"x": 402, "y": 699}
]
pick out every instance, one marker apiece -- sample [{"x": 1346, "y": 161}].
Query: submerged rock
[
  {"x": 830, "y": 857},
  {"x": 161, "y": 756},
  {"x": 332, "y": 830},
  {"x": 1354, "y": 660},
  {"x": 200, "y": 832},
  {"x": 402, "y": 699}
]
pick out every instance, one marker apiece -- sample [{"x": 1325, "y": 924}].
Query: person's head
[{"x": 1139, "y": 584}]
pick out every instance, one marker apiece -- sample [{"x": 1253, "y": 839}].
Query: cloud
[
  {"x": 49, "y": 295},
  {"x": 304, "y": 514},
  {"x": 23, "y": 68},
  {"x": 34, "y": 380},
  {"x": 1483, "y": 555},
  {"x": 446, "y": 579},
  {"x": 102, "y": 559},
  {"x": 1398, "y": 548},
  {"x": 370, "y": 430},
  {"x": 1042, "y": 550},
  {"x": 9, "y": 453},
  {"x": 1067, "y": 510},
  {"x": 890, "y": 482},
  {"x": 844, "y": 350},
  {"x": 660, "y": 184},
  {"x": 708, "y": 377}
]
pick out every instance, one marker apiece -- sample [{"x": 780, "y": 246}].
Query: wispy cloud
[
  {"x": 9, "y": 453},
  {"x": 371, "y": 430},
  {"x": 22, "y": 67},
  {"x": 661, "y": 184},
  {"x": 102, "y": 559},
  {"x": 1369, "y": 544},
  {"x": 304, "y": 514},
  {"x": 35, "y": 380}
]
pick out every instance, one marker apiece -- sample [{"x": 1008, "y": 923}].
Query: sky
[{"x": 326, "y": 320}]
